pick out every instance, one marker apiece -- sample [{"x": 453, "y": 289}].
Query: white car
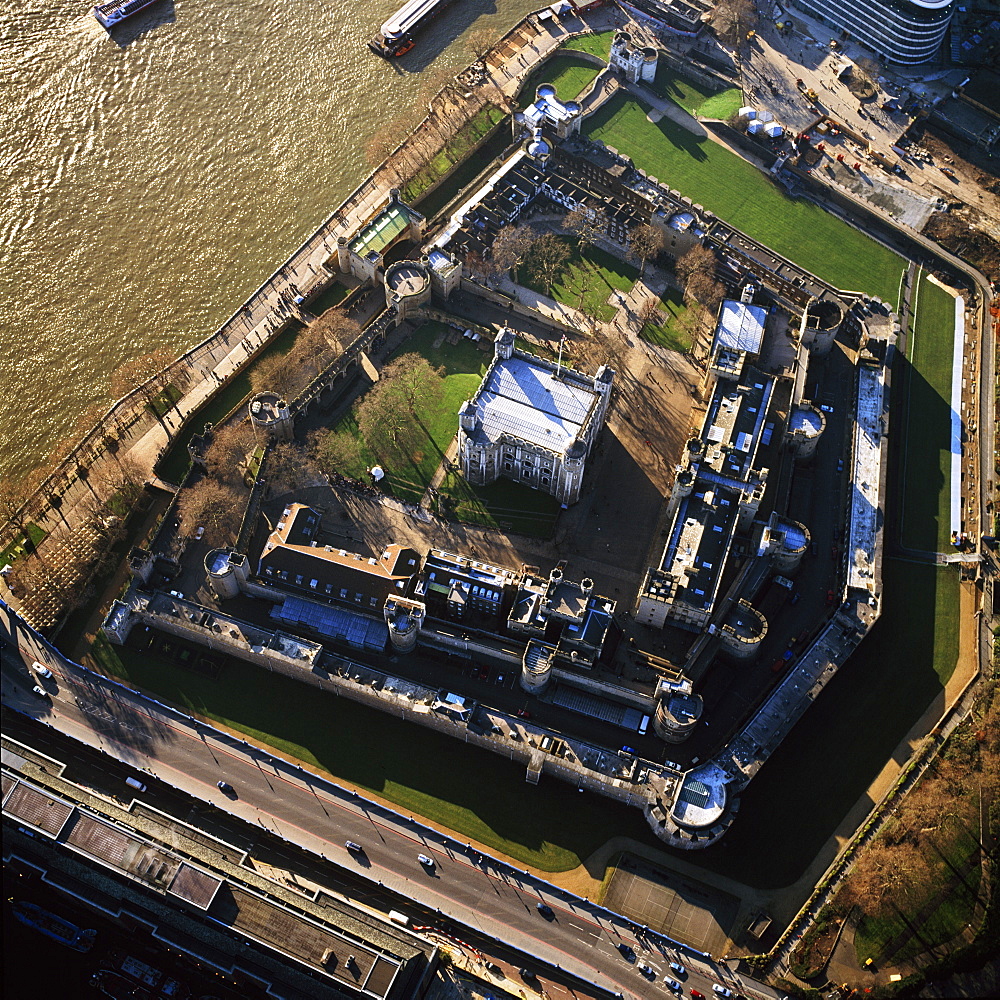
[
  {"x": 425, "y": 861},
  {"x": 672, "y": 984},
  {"x": 199, "y": 533},
  {"x": 678, "y": 968},
  {"x": 723, "y": 991},
  {"x": 41, "y": 670}
]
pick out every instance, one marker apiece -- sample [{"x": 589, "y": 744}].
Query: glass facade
[{"x": 908, "y": 32}]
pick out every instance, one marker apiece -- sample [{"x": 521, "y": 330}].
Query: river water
[{"x": 155, "y": 177}]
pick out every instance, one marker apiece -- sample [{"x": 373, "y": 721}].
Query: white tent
[
  {"x": 754, "y": 127},
  {"x": 376, "y": 473},
  {"x": 748, "y": 112},
  {"x": 773, "y": 130}
]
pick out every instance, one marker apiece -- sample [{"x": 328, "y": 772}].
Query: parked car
[
  {"x": 41, "y": 670},
  {"x": 672, "y": 984},
  {"x": 40, "y": 691},
  {"x": 678, "y": 968},
  {"x": 199, "y": 533},
  {"x": 723, "y": 991},
  {"x": 628, "y": 751},
  {"x": 527, "y": 975},
  {"x": 697, "y": 995},
  {"x": 626, "y": 952},
  {"x": 523, "y": 714},
  {"x": 829, "y": 597},
  {"x": 647, "y": 970}
]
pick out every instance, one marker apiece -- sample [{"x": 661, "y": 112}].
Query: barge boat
[
  {"x": 110, "y": 14},
  {"x": 53, "y": 926},
  {"x": 396, "y": 36}
]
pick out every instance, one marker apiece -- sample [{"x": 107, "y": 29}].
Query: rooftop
[
  {"x": 528, "y": 400},
  {"x": 382, "y": 231}
]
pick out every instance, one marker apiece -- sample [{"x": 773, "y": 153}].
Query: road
[{"x": 494, "y": 899}]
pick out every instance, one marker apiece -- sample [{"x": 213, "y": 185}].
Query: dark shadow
[
  {"x": 149, "y": 19},
  {"x": 431, "y": 41}
]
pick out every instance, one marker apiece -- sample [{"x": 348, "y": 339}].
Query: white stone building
[{"x": 532, "y": 421}]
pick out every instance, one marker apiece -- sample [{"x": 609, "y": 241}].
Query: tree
[
  {"x": 649, "y": 311},
  {"x": 386, "y": 412},
  {"x": 146, "y": 373},
  {"x": 481, "y": 41},
  {"x": 227, "y": 451},
  {"x": 645, "y": 242},
  {"x": 290, "y": 467},
  {"x": 732, "y": 19},
  {"x": 124, "y": 480},
  {"x": 588, "y": 225},
  {"x": 698, "y": 260},
  {"x": 512, "y": 245},
  {"x": 217, "y": 507},
  {"x": 547, "y": 258},
  {"x": 335, "y": 451},
  {"x": 704, "y": 289},
  {"x": 273, "y": 373},
  {"x": 887, "y": 873},
  {"x": 337, "y": 330}
]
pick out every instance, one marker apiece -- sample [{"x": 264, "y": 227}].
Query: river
[{"x": 156, "y": 176}]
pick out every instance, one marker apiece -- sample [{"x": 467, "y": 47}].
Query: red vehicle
[
  {"x": 695, "y": 993},
  {"x": 523, "y": 714},
  {"x": 829, "y": 597}
]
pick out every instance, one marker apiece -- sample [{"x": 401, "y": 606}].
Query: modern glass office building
[{"x": 898, "y": 31}]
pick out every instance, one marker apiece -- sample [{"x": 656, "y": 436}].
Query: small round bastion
[{"x": 270, "y": 413}]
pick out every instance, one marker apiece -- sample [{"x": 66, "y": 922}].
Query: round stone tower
[
  {"x": 270, "y": 413},
  {"x": 404, "y": 618},
  {"x": 805, "y": 427},
  {"x": 677, "y": 714},
  {"x": 226, "y": 571},
  {"x": 536, "y": 667},
  {"x": 743, "y": 631}
]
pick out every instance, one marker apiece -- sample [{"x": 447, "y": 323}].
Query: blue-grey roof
[
  {"x": 741, "y": 327},
  {"x": 528, "y": 401}
]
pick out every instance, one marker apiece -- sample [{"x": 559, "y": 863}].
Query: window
[
  {"x": 545, "y": 480},
  {"x": 357, "y": 598},
  {"x": 298, "y": 579},
  {"x": 373, "y": 601},
  {"x": 546, "y": 472},
  {"x": 506, "y": 466},
  {"x": 268, "y": 571},
  {"x": 329, "y": 588},
  {"x": 314, "y": 584},
  {"x": 343, "y": 593}
]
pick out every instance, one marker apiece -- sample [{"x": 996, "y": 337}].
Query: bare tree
[
  {"x": 124, "y": 479},
  {"x": 290, "y": 467},
  {"x": 227, "y": 451},
  {"x": 644, "y": 243},
  {"x": 698, "y": 260},
  {"x": 732, "y": 19},
  {"x": 337, "y": 329},
  {"x": 870, "y": 68},
  {"x": 548, "y": 256},
  {"x": 273, "y": 373},
  {"x": 215, "y": 506},
  {"x": 336, "y": 451},
  {"x": 706, "y": 290},
  {"x": 588, "y": 225},
  {"x": 512, "y": 245},
  {"x": 146, "y": 373},
  {"x": 649, "y": 311},
  {"x": 481, "y": 41},
  {"x": 887, "y": 872}
]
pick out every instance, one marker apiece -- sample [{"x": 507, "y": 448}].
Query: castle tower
[
  {"x": 226, "y": 571},
  {"x": 536, "y": 666},
  {"x": 503, "y": 345},
  {"x": 677, "y": 712},
  {"x": 404, "y": 619},
  {"x": 270, "y": 413},
  {"x": 806, "y": 424}
]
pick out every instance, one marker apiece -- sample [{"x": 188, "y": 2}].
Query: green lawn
[
  {"x": 503, "y": 504},
  {"x": 891, "y": 936},
  {"x": 926, "y": 508},
  {"x": 739, "y": 193},
  {"x": 454, "y": 152},
  {"x": 590, "y": 276},
  {"x": 676, "y": 331},
  {"x": 566, "y": 72},
  {"x": 844, "y": 739},
  {"x": 464, "y": 365},
  {"x": 475, "y": 793},
  {"x": 24, "y": 543},
  {"x": 327, "y": 299},
  {"x": 597, "y": 45},
  {"x": 164, "y": 400},
  {"x": 173, "y": 465},
  {"x": 695, "y": 97}
]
